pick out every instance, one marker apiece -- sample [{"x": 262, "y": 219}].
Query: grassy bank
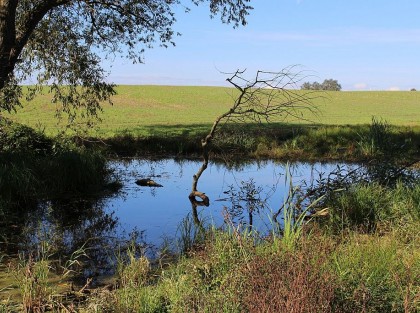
[
  {"x": 314, "y": 267},
  {"x": 277, "y": 141},
  {"x": 330, "y": 264}
]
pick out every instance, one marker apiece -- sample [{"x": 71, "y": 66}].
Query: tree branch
[
  {"x": 31, "y": 21},
  {"x": 266, "y": 96}
]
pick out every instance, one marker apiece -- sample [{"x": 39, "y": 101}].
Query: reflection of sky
[{"x": 159, "y": 211}]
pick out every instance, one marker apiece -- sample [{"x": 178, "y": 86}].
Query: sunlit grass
[{"x": 145, "y": 110}]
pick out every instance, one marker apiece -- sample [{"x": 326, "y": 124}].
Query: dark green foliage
[
  {"x": 35, "y": 166},
  {"x": 18, "y": 138}
]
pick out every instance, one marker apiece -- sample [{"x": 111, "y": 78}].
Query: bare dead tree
[{"x": 268, "y": 96}]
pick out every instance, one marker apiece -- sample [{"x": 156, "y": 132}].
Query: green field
[{"x": 142, "y": 110}]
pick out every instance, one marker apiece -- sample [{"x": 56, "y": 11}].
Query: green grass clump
[
  {"x": 376, "y": 274},
  {"x": 368, "y": 206},
  {"x": 35, "y": 165}
]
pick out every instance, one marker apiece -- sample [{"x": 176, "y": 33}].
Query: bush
[{"x": 17, "y": 138}]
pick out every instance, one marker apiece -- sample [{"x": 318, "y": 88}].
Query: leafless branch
[{"x": 268, "y": 96}]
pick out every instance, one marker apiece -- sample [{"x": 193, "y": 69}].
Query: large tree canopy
[{"x": 59, "y": 41}]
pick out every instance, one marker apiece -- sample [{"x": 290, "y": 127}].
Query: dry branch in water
[{"x": 268, "y": 96}]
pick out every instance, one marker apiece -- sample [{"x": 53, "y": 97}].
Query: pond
[
  {"x": 158, "y": 211},
  {"x": 247, "y": 193}
]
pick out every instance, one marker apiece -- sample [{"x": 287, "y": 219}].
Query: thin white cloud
[
  {"x": 343, "y": 36},
  {"x": 394, "y": 88},
  {"x": 360, "y": 86}
]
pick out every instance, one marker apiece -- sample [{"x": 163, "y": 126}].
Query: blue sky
[{"x": 364, "y": 44}]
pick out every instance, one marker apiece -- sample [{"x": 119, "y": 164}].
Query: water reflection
[
  {"x": 248, "y": 192},
  {"x": 101, "y": 226},
  {"x": 68, "y": 225},
  {"x": 246, "y": 200}
]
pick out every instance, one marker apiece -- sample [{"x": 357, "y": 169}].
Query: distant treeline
[{"x": 327, "y": 84}]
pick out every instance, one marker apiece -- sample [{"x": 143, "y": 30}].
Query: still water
[
  {"x": 158, "y": 211},
  {"x": 100, "y": 227}
]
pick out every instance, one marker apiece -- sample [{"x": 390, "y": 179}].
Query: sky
[{"x": 364, "y": 44}]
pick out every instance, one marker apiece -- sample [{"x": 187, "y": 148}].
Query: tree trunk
[
  {"x": 194, "y": 192},
  {"x": 7, "y": 39}
]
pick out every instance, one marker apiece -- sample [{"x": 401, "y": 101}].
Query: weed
[{"x": 189, "y": 234}]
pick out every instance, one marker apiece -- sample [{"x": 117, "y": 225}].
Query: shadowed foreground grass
[{"x": 275, "y": 141}]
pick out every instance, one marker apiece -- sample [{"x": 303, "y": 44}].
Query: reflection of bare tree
[
  {"x": 246, "y": 199},
  {"x": 268, "y": 96},
  {"x": 194, "y": 205}
]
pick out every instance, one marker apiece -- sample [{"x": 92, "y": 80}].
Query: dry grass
[{"x": 290, "y": 281}]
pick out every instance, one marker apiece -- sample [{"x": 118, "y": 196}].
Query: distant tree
[
  {"x": 306, "y": 86},
  {"x": 328, "y": 84},
  {"x": 316, "y": 86},
  {"x": 413, "y": 89},
  {"x": 331, "y": 85},
  {"x": 58, "y": 43}
]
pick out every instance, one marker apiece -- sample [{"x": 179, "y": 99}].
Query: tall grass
[
  {"x": 294, "y": 216},
  {"x": 368, "y": 206},
  {"x": 375, "y": 274},
  {"x": 38, "y": 277},
  {"x": 378, "y": 140}
]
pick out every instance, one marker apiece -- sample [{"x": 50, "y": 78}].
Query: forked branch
[{"x": 268, "y": 96}]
